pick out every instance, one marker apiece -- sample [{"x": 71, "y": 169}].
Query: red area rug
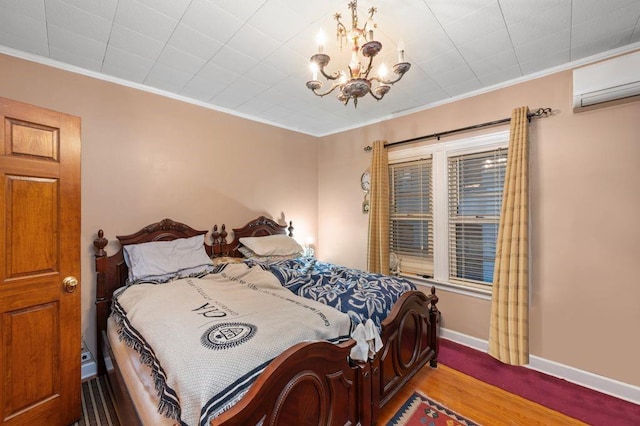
[
  {"x": 419, "y": 410},
  {"x": 587, "y": 405}
]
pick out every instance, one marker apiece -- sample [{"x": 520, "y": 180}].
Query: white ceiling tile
[
  {"x": 180, "y": 60},
  {"x": 544, "y": 46},
  {"x": 22, "y": 32},
  {"x": 256, "y": 105},
  {"x": 481, "y": 21},
  {"x": 431, "y": 44},
  {"x": 134, "y": 42},
  {"x": 266, "y": 74},
  {"x": 145, "y": 20},
  {"x": 494, "y": 63},
  {"x": 287, "y": 60},
  {"x": 496, "y": 76},
  {"x": 544, "y": 62},
  {"x": 172, "y": 8},
  {"x": 234, "y": 60},
  {"x": 123, "y": 64},
  {"x": 531, "y": 21},
  {"x": 588, "y": 10},
  {"x": 75, "y": 44},
  {"x": 104, "y": 8},
  {"x": 242, "y": 10},
  {"x": 462, "y": 87},
  {"x": 210, "y": 81},
  {"x": 253, "y": 43},
  {"x": 447, "y": 11},
  {"x": 311, "y": 10},
  {"x": 212, "y": 20},
  {"x": 603, "y": 27},
  {"x": 245, "y": 89},
  {"x": 77, "y": 59},
  {"x": 64, "y": 15},
  {"x": 485, "y": 45},
  {"x": 278, "y": 21},
  {"x": 598, "y": 45},
  {"x": 442, "y": 63},
  {"x": 167, "y": 78},
  {"x": 452, "y": 76},
  {"x": 34, "y": 9},
  {"x": 194, "y": 42}
]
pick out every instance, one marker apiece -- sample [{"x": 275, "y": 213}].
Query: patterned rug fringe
[{"x": 421, "y": 410}]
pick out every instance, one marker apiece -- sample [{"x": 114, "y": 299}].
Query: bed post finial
[
  {"x": 215, "y": 235},
  {"x": 100, "y": 243},
  {"x": 223, "y": 240},
  {"x": 290, "y": 228}
]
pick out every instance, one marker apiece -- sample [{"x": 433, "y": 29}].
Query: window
[
  {"x": 445, "y": 202},
  {"x": 475, "y": 198},
  {"x": 411, "y": 222}
]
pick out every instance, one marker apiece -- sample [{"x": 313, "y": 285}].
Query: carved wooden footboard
[
  {"x": 410, "y": 336},
  {"x": 309, "y": 384}
]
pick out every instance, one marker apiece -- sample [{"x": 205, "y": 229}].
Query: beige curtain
[
  {"x": 378, "y": 247},
  {"x": 509, "y": 331}
]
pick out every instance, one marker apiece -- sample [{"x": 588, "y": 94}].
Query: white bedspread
[{"x": 206, "y": 339}]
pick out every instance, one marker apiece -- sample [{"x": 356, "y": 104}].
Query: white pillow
[
  {"x": 270, "y": 245},
  {"x": 163, "y": 260}
]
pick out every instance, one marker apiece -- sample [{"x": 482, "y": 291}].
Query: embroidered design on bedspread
[
  {"x": 227, "y": 335},
  {"x": 360, "y": 294}
]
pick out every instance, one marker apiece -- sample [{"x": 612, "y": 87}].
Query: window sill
[{"x": 479, "y": 293}]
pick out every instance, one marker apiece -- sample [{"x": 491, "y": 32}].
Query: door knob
[{"x": 70, "y": 284}]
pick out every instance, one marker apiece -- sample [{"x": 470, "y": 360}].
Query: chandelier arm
[
  {"x": 382, "y": 81},
  {"x": 333, "y": 76},
  {"x": 334, "y": 86},
  {"x": 366, "y": 74},
  {"x": 377, "y": 98}
]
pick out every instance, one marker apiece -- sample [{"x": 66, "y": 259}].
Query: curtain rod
[{"x": 539, "y": 113}]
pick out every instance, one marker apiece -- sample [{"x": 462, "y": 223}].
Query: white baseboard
[{"x": 589, "y": 380}]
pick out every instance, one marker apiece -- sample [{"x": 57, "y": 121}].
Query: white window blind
[
  {"x": 411, "y": 218},
  {"x": 475, "y": 199}
]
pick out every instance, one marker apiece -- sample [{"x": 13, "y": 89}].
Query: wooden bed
[{"x": 310, "y": 383}]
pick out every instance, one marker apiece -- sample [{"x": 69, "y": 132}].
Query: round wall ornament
[{"x": 365, "y": 181}]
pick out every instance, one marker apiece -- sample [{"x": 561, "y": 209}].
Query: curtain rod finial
[{"x": 368, "y": 148}]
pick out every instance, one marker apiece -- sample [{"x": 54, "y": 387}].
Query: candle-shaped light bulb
[
  {"x": 370, "y": 26},
  {"x": 382, "y": 72},
  {"x": 400, "y": 51},
  {"x": 354, "y": 65},
  {"x": 343, "y": 77},
  {"x": 314, "y": 70},
  {"x": 320, "y": 41}
]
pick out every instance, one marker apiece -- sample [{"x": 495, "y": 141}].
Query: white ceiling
[{"x": 251, "y": 57}]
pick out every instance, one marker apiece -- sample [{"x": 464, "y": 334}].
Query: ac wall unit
[{"x": 613, "y": 79}]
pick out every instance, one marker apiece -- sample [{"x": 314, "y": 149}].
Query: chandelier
[{"x": 355, "y": 82}]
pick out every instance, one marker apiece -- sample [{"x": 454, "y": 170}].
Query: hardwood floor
[{"x": 472, "y": 398}]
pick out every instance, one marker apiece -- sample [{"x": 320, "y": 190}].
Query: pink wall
[
  {"x": 146, "y": 157},
  {"x": 585, "y": 205}
]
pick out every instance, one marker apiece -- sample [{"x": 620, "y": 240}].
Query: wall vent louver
[{"x": 610, "y": 80}]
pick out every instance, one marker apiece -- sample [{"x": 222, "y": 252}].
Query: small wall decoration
[{"x": 365, "y": 184}]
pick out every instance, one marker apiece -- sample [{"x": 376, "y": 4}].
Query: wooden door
[{"x": 39, "y": 248}]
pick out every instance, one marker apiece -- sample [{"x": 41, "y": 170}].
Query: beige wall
[
  {"x": 585, "y": 205},
  {"x": 147, "y": 157}
]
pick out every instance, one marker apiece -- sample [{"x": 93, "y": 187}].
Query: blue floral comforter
[{"x": 359, "y": 294}]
